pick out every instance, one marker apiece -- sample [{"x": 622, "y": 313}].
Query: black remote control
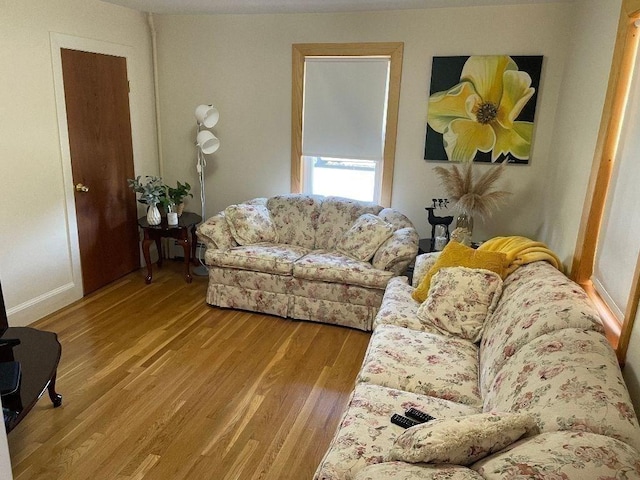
[
  {"x": 403, "y": 422},
  {"x": 418, "y": 415}
]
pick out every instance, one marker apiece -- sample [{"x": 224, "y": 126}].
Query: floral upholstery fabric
[
  {"x": 295, "y": 218},
  {"x": 248, "y": 280},
  {"x": 397, "y": 252},
  {"x": 563, "y": 456},
  {"x": 337, "y": 292},
  {"x": 250, "y": 224},
  {"x": 399, "y": 309},
  {"x": 230, "y": 296},
  {"x": 420, "y": 362},
  {"x": 332, "y": 312},
  {"x": 407, "y": 471},
  {"x": 336, "y": 217},
  {"x": 215, "y": 233},
  {"x": 366, "y": 434},
  {"x": 395, "y": 218},
  {"x": 262, "y": 257},
  {"x": 364, "y": 237},
  {"x": 536, "y": 299},
  {"x": 339, "y": 268},
  {"x": 424, "y": 262},
  {"x": 459, "y": 301},
  {"x": 461, "y": 440},
  {"x": 571, "y": 381}
]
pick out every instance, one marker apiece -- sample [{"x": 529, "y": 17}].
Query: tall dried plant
[{"x": 475, "y": 198}]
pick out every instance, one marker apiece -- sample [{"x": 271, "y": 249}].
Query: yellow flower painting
[{"x": 481, "y": 108}]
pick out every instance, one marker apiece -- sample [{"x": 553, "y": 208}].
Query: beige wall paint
[
  {"x": 242, "y": 64},
  {"x": 36, "y": 260}
]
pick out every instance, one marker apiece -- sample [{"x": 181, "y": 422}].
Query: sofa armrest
[
  {"x": 215, "y": 233},
  {"x": 397, "y": 252},
  {"x": 424, "y": 262}
]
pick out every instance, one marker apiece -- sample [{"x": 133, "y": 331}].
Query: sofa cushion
[
  {"x": 339, "y": 268},
  {"x": 216, "y": 230},
  {"x": 295, "y": 218},
  {"x": 336, "y": 217},
  {"x": 460, "y": 299},
  {"x": 421, "y": 362},
  {"x": 399, "y": 308},
  {"x": 537, "y": 299},
  {"x": 395, "y": 218},
  {"x": 457, "y": 255},
  {"x": 366, "y": 434},
  {"x": 570, "y": 380},
  {"x": 408, "y": 471},
  {"x": 364, "y": 237},
  {"x": 250, "y": 224},
  {"x": 397, "y": 252},
  {"x": 264, "y": 257},
  {"x": 563, "y": 456},
  {"x": 461, "y": 440}
]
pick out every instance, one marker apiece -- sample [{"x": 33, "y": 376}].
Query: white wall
[
  {"x": 592, "y": 38},
  {"x": 242, "y": 64},
  {"x": 35, "y": 260}
]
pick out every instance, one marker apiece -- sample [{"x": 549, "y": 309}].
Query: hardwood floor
[{"x": 158, "y": 385}]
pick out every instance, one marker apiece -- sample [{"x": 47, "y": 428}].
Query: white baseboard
[{"x": 34, "y": 309}]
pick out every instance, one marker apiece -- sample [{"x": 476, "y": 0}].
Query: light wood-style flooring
[{"x": 158, "y": 385}]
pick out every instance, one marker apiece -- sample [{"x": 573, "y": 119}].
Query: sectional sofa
[
  {"x": 540, "y": 396},
  {"x": 324, "y": 259}
]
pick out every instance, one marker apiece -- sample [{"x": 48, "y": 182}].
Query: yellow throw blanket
[{"x": 520, "y": 251}]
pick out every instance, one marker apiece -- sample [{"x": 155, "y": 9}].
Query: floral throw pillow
[
  {"x": 460, "y": 300},
  {"x": 461, "y": 440},
  {"x": 250, "y": 224},
  {"x": 364, "y": 237}
]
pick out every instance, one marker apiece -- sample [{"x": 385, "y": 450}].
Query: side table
[
  {"x": 184, "y": 232},
  {"x": 38, "y": 353}
]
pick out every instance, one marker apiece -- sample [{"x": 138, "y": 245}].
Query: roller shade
[{"x": 345, "y": 106}]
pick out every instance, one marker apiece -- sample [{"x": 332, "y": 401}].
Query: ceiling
[{"x": 302, "y": 6}]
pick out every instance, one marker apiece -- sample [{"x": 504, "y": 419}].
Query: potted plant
[
  {"x": 151, "y": 193},
  {"x": 177, "y": 195}
]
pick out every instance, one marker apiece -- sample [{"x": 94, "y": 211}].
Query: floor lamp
[{"x": 206, "y": 143}]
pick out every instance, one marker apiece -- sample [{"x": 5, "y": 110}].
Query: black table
[
  {"x": 38, "y": 353},
  {"x": 154, "y": 233}
]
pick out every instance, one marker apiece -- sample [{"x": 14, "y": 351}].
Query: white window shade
[
  {"x": 345, "y": 106},
  {"x": 619, "y": 240}
]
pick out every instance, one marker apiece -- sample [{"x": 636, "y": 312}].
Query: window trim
[
  {"x": 392, "y": 50},
  {"x": 620, "y": 77}
]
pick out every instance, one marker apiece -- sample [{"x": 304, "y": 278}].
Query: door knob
[{"x": 81, "y": 188}]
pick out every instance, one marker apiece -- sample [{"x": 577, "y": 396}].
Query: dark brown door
[{"x": 97, "y": 101}]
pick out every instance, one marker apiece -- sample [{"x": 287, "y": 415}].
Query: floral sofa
[
  {"x": 542, "y": 355},
  {"x": 325, "y": 259}
]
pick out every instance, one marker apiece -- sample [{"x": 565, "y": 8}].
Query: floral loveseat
[
  {"x": 325, "y": 259},
  {"x": 542, "y": 356}
]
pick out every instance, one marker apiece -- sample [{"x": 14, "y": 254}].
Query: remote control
[
  {"x": 403, "y": 422},
  {"x": 418, "y": 415}
]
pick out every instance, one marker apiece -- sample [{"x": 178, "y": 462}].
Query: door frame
[{"x": 58, "y": 42}]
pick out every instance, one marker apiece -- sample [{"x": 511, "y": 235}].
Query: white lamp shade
[
  {"x": 207, "y": 115},
  {"x": 207, "y": 142}
]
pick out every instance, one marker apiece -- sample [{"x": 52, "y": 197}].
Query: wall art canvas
[{"x": 482, "y": 108}]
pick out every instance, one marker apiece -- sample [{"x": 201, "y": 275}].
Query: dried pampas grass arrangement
[{"x": 473, "y": 197}]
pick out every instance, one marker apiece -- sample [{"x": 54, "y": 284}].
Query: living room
[{"x": 242, "y": 64}]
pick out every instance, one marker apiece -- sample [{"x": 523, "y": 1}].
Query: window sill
[{"x": 612, "y": 326}]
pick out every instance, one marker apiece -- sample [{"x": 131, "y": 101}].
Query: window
[
  {"x": 344, "y": 119},
  {"x": 607, "y": 255}
]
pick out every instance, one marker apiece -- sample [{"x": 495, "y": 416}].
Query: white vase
[{"x": 153, "y": 215}]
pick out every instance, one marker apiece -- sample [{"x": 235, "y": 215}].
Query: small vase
[
  {"x": 464, "y": 228},
  {"x": 153, "y": 215}
]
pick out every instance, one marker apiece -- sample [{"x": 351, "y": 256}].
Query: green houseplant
[
  {"x": 151, "y": 193},
  {"x": 177, "y": 194}
]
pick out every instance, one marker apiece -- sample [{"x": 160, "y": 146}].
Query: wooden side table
[{"x": 184, "y": 232}]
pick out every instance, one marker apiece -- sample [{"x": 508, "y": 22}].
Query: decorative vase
[
  {"x": 179, "y": 208},
  {"x": 153, "y": 215},
  {"x": 464, "y": 228}
]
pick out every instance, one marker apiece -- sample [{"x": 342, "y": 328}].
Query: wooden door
[{"x": 97, "y": 101}]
